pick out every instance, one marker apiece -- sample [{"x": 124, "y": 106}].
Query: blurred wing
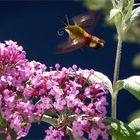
[
  {"x": 69, "y": 46},
  {"x": 87, "y": 21}
]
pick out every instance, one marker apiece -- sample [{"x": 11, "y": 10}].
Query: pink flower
[
  {"x": 94, "y": 134},
  {"x": 15, "y": 79},
  {"x": 9, "y": 137},
  {"x": 77, "y": 128},
  {"x": 56, "y": 92},
  {"x": 59, "y": 104},
  {"x": 100, "y": 105},
  {"x": 0, "y": 102},
  {"x": 40, "y": 109},
  {"x": 70, "y": 99},
  {"x": 89, "y": 109},
  {"x": 53, "y": 134},
  {"x": 46, "y": 102},
  {"x": 29, "y": 91}
]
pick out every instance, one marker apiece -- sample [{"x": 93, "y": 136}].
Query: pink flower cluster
[
  {"x": 77, "y": 106},
  {"x": 16, "y": 74},
  {"x": 75, "y": 103}
]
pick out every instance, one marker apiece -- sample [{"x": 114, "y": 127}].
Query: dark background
[{"x": 34, "y": 25}]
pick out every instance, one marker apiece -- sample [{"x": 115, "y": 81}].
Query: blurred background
[{"x": 34, "y": 25}]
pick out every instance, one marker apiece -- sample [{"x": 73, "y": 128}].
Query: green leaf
[
  {"x": 132, "y": 34},
  {"x": 114, "y": 12},
  {"x": 134, "y": 115},
  {"x": 135, "y": 125},
  {"x": 2, "y": 121},
  {"x": 25, "y": 121},
  {"x": 136, "y": 61},
  {"x": 135, "y": 14},
  {"x": 13, "y": 134},
  {"x": 100, "y": 77},
  {"x": 95, "y": 4},
  {"x": 128, "y": 9},
  {"x": 50, "y": 120},
  {"x": 69, "y": 132},
  {"x": 132, "y": 84},
  {"x": 120, "y": 130}
]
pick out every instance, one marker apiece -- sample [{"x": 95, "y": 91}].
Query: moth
[{"x": 79, "y": 34}]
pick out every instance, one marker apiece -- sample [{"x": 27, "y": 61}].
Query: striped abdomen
[{"x": 94, "y": 42}]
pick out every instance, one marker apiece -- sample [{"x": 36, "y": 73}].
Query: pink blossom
[
  {"x": 70, "y": 99},
  {"x": 29, "y": 91},
  {"x": 94, "y": 134},
  {"x": 40, "y": 109},
  {"x": 89, "y": 109},
  {"x": 53, "y": 134},
  {"x": 6, "y": 114},
  {"x": 59, "y": 104},
  {"x": 56, "y": 92},
  {"x": 15, "y": 77},
  {"x": 0, "y": 102},
  {"x": 57, "y": 66},
  {"x": 77, "y": 129},
  {"x": 9, "y": 137},
  {"x": 46, "y": 102}
]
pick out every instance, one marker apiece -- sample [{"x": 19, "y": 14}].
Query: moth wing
[
  {"x": 87, "y": 21},
  {"x": 69, "y": 46}
]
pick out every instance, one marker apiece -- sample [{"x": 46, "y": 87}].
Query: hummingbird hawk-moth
[{"x": 79, "y": 34}]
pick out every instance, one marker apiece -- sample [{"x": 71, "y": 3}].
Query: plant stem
[
  {"x": 117, "y": 61},
  {"x": 114, "y": 105},
  {"x": 116, "y": 74}
]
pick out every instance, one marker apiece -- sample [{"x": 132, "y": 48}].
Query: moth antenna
[
  {"x": 67, "y": 19},
  {"x": 62, "y": 21}
]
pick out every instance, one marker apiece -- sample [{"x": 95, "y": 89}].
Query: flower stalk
[
  {"x": 116, "y": 75},
  {"x": 116, "y": 71},
  {"x": 119, "y": 26}
]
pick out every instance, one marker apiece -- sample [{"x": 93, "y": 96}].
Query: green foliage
[
  {"x": 129, "y": 15},
  {"x": 105, "y": 79},
  {"x": 133, "y": 32},
  {"x": 136, "y": 61},
  {"x": 135, "y": 14},
  {"x": 135, "y": 125},
  {"x": 120, "y": 130},
  {"x": 116, "y": 15},
  {"x": 125, "y": 17},
  {"x": 2, "y": 137},
  {"x": 2, "y": 121},
  {"x": 122, "y": 12},
  {"x": 132, "y": 84},
  {"x": 25, "y": 121},
  {"x": 13, "y": 135},
  {"x": 100, "y": 77},
  {"x": 2, "y": 128},
  {"x": 95, "y": 4},
  {"x": 134, "y": 115},
  {"x": 49, "y": 119}
]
